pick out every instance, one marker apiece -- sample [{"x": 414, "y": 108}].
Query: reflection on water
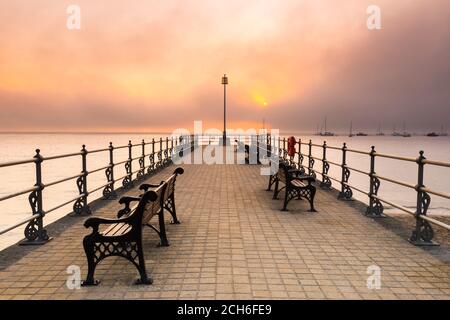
[{"x": 22, "y": 146}]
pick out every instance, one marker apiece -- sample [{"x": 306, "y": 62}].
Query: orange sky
[{"x": 156, "y": 65}]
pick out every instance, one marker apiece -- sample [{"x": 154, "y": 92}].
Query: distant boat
[
  {"x": 361, "y": 134},
  {"x": 405, "y": 133},
  {"x": 399, "y": 134},
  {"x": 394, "y": 132},
  {"x": 317, "y": 131},
  {"x": 380, "y": 131},
  {"x": 443, "y": 132},
  {"x": 435, "y": 134},
  {"x": 351, "y": 130},
  {"x": 326, "y": 133}
]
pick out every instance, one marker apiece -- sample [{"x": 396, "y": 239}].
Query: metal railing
[
  {"x": 159, "y": 156},
  {"x": 422, "y": 234}
]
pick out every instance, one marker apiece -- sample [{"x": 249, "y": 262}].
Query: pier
[{"x": 234, "y": 242}]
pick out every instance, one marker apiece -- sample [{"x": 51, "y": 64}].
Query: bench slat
[
  {"x": 116, "y": 229},
  {"x": 298, "y": 183}
]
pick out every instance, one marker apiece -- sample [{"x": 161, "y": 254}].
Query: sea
[{"x": 22, "y": 146}]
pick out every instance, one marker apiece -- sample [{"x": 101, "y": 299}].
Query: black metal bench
[
  {"x": 296, "y": 185},
  {"x": 123, "y": 237},
  {"x": 169, "y": 194},
  {"x": 273, "y": 177}
]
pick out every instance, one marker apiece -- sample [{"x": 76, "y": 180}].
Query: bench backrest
[
  {"x": 282, "y": 173},
  {"x": 170, "y": 189},
  {"x": 161, "y": 194},
  {"x": 152, "y": 208}
]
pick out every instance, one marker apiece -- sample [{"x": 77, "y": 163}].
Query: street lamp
[{"x": 224, "y": 82}]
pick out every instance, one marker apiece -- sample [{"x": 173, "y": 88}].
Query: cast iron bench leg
[
  {"x": 312, "y": 194},
  {"x": 88, "y": 245},
  {"x": 170, "y": 206},
  {"x": 144, "y": 279}
]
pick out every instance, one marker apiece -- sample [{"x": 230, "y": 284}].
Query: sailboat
[
  {"x": 317, "y": 131},
  {"x": 326, "y": 133},
  {"x": 351, "y": 130},
  {"x": 395, "y": 133},
  {"x": 380, "y": 131},
  {"x": 405, "y": 134},
  {"x": 443, "y": 132},
  {"x": 440, "y": 134}
]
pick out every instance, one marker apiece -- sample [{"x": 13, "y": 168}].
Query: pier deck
[{"x": 234, "y": 242}]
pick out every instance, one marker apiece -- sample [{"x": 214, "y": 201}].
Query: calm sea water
[{"x": 21, "y": 146}]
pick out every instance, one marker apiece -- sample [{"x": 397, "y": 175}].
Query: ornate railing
[
  {"x": 162, "y": 151},
  {"x": 422, "y": 234},
  {"x": 35, "y": 232}
]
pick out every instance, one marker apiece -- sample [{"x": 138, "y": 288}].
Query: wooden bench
[
  {"x": 273, "y": 177},
  {"x": 169, "y": 194},
  {"x": 296, "y": 185},
  {"x": 123, "y": 237}
]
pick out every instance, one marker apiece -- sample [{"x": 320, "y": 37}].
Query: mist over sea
[{"x": 22, "y": 146}]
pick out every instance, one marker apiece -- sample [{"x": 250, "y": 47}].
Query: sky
[{"x": 148, "y": 65}]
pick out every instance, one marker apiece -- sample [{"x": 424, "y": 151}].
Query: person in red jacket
[{"x": 291, "y": 146}]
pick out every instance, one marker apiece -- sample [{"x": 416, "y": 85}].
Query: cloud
[{"x": 155, "y": 64}]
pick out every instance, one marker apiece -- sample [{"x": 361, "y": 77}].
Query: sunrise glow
[{"x": 163, "y": 61}]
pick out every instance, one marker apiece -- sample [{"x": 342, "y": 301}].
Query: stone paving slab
[{"x": 235, "y": 243}]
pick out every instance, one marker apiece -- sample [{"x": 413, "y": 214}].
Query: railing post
[
  {"x": 375, "y": 208},
  {"x": 280, "y": 151},
  {"x": 128, "y": 180},
  {"x": 80, "y": 206},
  {"x": 423, "y": 234},
  {"x": 346, "y": 192},
  {"x": 300, "y": 157},
  {"x": 34, "y": 231},
  {"x": 284, "y": 149},
  {"x": 166, "y": 152},
  {"x": 151, "y": 157},
  {"x": 160, "y": 152},
  {"x": 326, "y": 181},
  {"x": 311, "y": 161},
  {"x": 141, "y": 173},
  {"x": 108, "y": 191},
  {"x": 181, "y": 146},
  {"x": 171, "y": 147},
  {"x": 257, "y": 150}
]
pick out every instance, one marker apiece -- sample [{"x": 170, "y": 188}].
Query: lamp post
[{"x": 224, "y": 82}]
